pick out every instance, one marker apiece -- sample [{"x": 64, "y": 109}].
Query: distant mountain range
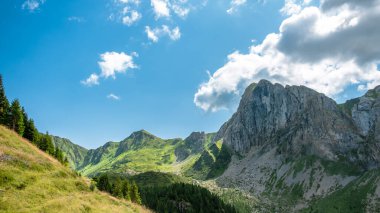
[{"x": 291, "y": 148}]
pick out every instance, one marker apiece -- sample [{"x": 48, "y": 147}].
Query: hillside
[
  {"x": 285, "y": 149},
  {"x": 141, "y": 152},
  {"x": 33, "y": 181},
  {"x": 74, "y": 153}
]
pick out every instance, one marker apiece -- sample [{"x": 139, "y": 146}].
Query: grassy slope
[
  {"x": 148, "y": 154},
  {"x": 32, "y": 181},
  {"x": 157, "y": 155},
  {"x": 212, "y": 162}
]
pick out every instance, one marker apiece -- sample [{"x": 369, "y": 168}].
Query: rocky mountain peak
[
  {"x": 141, "y": 135},
  {"x": 296, "y": 119}
]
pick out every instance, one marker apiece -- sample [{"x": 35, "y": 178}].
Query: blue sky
[{"x": 171, "y": 83}]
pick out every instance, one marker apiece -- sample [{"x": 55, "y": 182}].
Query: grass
[
  {"x": 150, "y": 155},
  {"x": 33, "y": 181}
]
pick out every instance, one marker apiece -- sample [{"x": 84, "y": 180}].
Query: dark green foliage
[
  {"x": 4, "y": 105},
  {"x": 147, "y": 179},
  {"x": 45, "y": 144},
  {"x": 16, "y": 118},
  {"x": 30, "y": 131},
  {"x": 126, "y": 189},
  {"x": 182, "y": 197},
  {"x": 118, "y": 187},
  {"x": 59, "y": 155},
  {"x": 135, "y": 195},
  {"x": 103, "y": 183}
]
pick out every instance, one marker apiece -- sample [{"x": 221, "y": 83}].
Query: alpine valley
[{"x": 286, "y": 149}]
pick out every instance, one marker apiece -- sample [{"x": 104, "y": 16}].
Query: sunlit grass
[{"x": 33, "y": 181}]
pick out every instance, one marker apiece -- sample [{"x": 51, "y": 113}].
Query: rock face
[
  {"x": 194, "y": 143},
  {"x": 299, "y": 119},
  {"x": 366, "y": 114},
  {"x": 292, "y": 144}
]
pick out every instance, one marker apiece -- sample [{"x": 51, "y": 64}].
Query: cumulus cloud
[
  {"x": 155, "y": 33},
  {"x": 32, "y": 5},
  {"x": 160, "y": 8},
  {"x": 113, "y": 97},
  {"x": 111, "y": 63},
  {"x": 130, "y": 16},
  {"x": 164, "y": 8},
  {"x": 92, "y": 80},
  {"x": 327, "y": 48}
]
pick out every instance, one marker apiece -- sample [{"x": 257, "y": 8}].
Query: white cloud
[
  {"x": 180, "y": 10},
  {"x": 32, "y": 5},
  {"x": 92, "y": 80},
  {"x": 130, "y": 16},
  {"x": 136, "y": 2},
  {"x": 235, "y": 4},
  {"x": 151, "y": 34},
  {"x": 155, "y": 33},
  {"x": 113, "y": 97},
  {"x": 164, "y": 8},
  {"x": 291, "y": 7},
  {"x": 326, "y": 48},
  {"x": 111, "y": 63},
  {"x": 160, "y": 8}
]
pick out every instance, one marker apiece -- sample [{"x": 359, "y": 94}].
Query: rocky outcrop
[
  {"x": 366, "y": 114},
  {"x": 297, "y": 119},
  {"x": 194, "y": 143},
  {"x": 294, "y": 145}
]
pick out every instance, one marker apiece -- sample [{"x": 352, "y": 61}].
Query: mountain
[
  {"x": 33, "y": 181},
  {"x": 285, "y": 149},
  {"x": 139, "y": 152},
  {"x": 295, "y": 146},
  {"x": 74, "y": 153}
]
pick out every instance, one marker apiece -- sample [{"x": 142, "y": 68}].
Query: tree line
[
  {"x": 14, "y": 116},
  {"x": 121, "y": 188},
  {"x": 162, "y": 197},
  {"x": 183, "y": 197}
]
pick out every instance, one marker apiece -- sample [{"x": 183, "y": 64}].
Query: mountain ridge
[{"x": 290, "y": 144}]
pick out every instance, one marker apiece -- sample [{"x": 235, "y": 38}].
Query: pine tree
[
  {"x": 4, "y": 105},
  {"x": 45, "y": 143},
  {"x": 126, "y": 189},
  {"x": 117, "y": 188},
  {"x": 58, "y": 154},
  {"x": 30, "y": 131},
  {"x": 17, "y": 117},
  {"x": 135, "y": 195},
  {"x": 103, "y": 183}
]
